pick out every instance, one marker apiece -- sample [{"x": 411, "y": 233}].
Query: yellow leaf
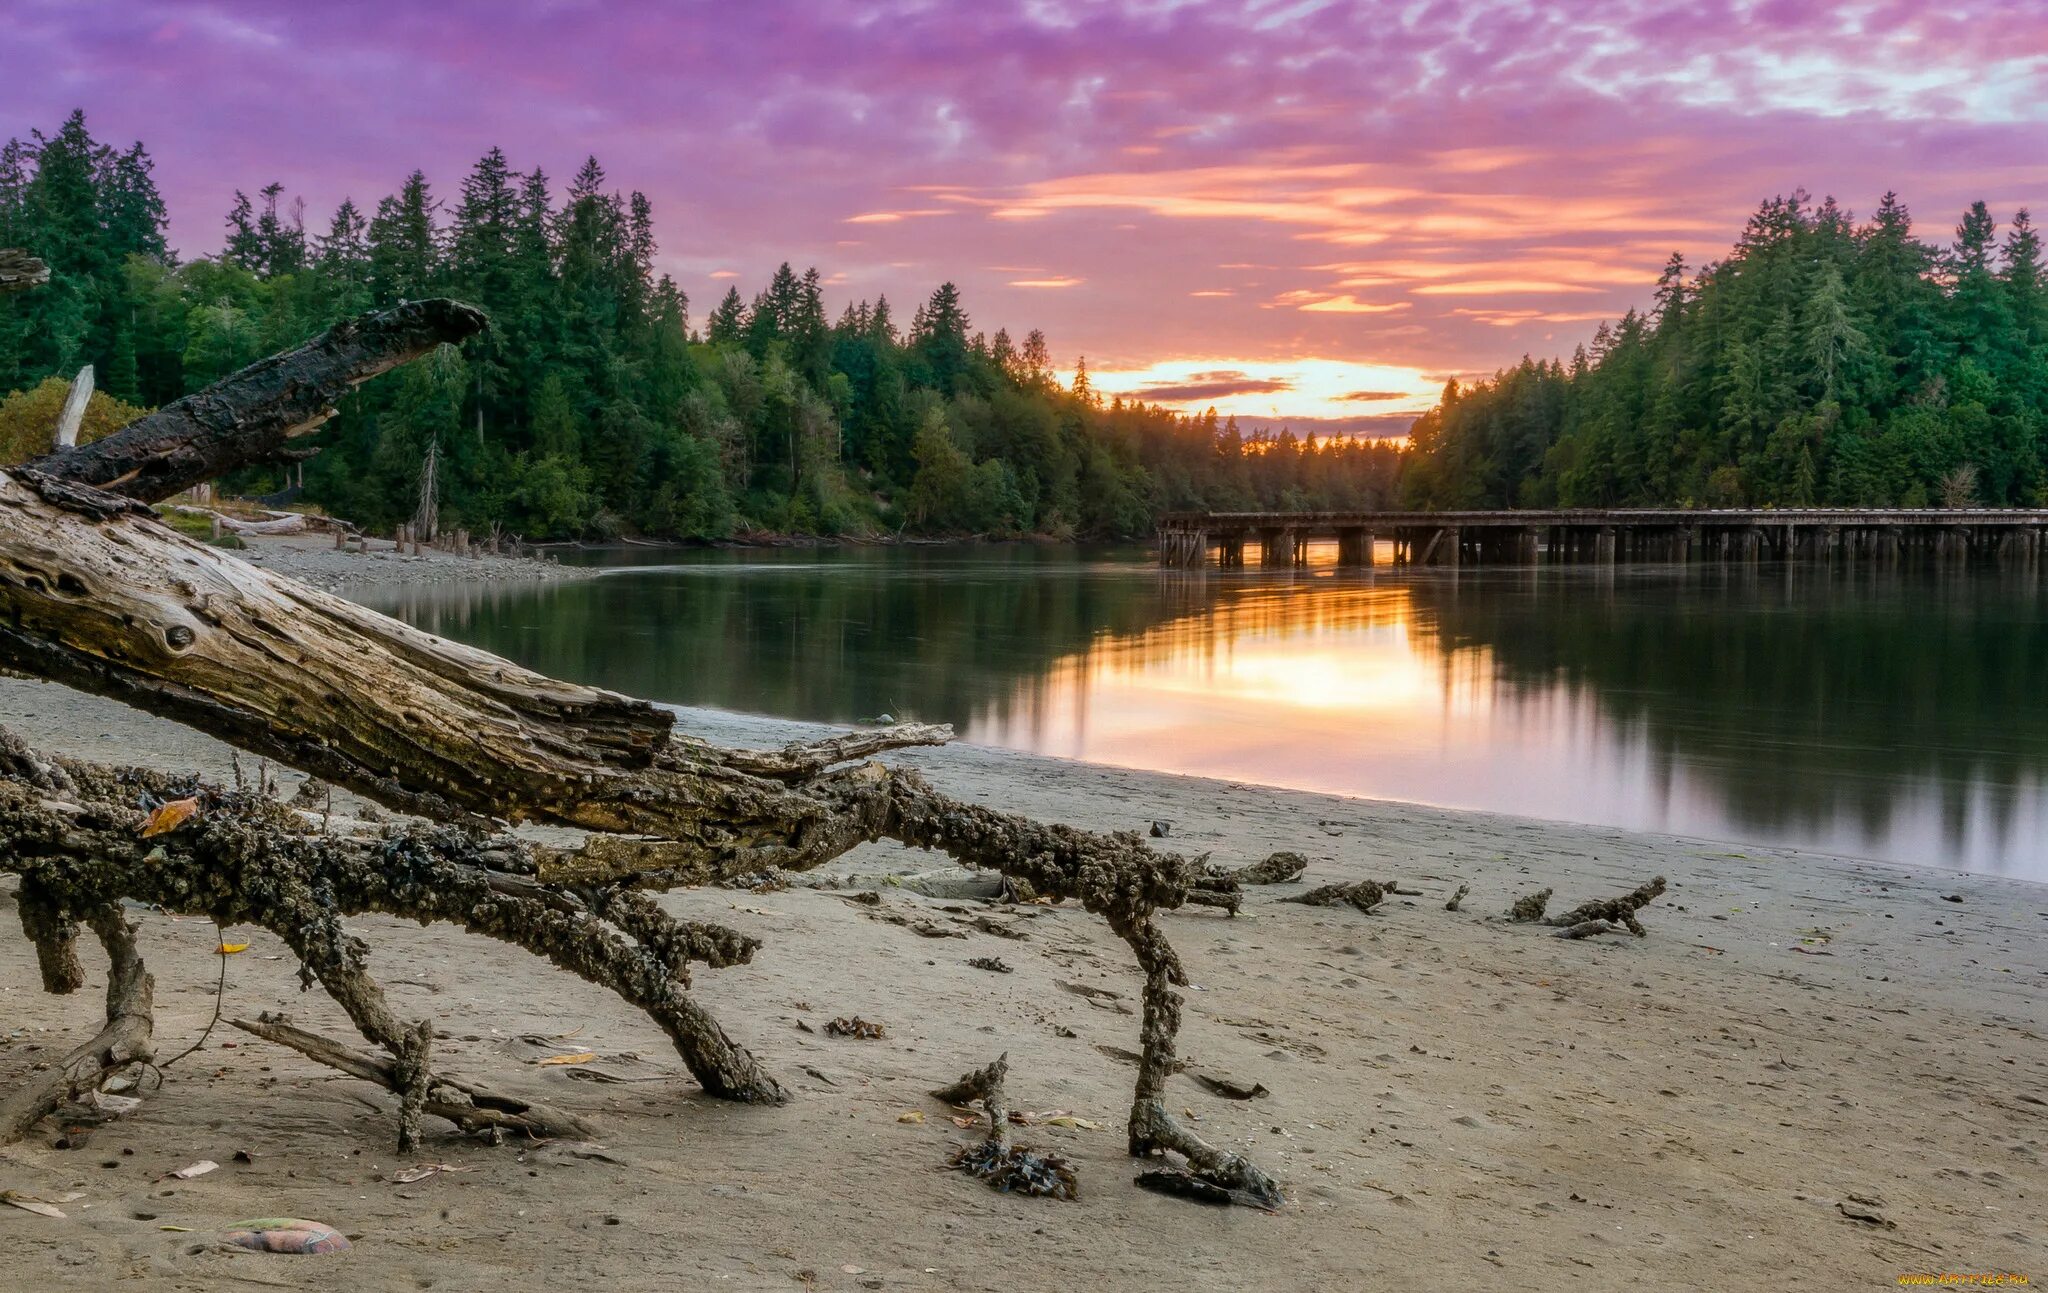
[
  {"x": 914, "y": 1115},
  {"x": 580, "y": 1057},
  {"x": 167, "y": 817},
  {"x": 1068, "y": 1120},
  {"x": 229, "y": 949}
]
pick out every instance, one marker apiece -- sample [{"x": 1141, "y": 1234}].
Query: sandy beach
[{"x": 1813, "y": 1067}]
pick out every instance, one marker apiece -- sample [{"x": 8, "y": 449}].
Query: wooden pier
[{"x": 1610, "y": 536}]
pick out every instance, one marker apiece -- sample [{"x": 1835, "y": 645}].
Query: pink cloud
[{"x": 1483, "y": 175}]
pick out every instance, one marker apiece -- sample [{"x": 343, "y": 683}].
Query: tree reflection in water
[{"x": 1887, "y": 713}]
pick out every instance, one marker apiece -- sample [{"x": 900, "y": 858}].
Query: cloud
[
  {"x": 1390, "y": 189},
  {"x": 1212, "y": 386},
  {"x": 895, "y": 217},
  {"x": 1375, "y": 397}
]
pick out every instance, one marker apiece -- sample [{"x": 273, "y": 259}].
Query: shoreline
[{"x": 1445, "y": 1092}]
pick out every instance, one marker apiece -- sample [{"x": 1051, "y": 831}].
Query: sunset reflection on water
[{"x": 1876, "y": 713}]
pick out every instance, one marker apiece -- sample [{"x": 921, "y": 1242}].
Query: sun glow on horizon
[{"x": 1318, "y": 389}]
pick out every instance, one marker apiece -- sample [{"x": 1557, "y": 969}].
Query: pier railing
[{"x": 1609, "y": 535}]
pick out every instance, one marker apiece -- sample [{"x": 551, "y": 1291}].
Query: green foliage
[
  {"x": 1821, "y": 363},
  {"x": 28, "y": 419},
  {"x": 591, "y": 408}
]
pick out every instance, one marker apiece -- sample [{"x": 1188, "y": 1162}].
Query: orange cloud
[{"x": 896, "y": 217}]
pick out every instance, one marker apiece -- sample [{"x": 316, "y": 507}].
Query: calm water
[{"x": 1888, "y": 715}]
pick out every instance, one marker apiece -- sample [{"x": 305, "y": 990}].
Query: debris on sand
[
  {"x": 1364, "y": 895},
  {"x": 1279, "y": 868},
  {"x": 1007, "y": 1168},
  {"x": 291, "y": 1235},
  {"x": 856, "y": 1027},
  {"x": 1529, "y": 910}
]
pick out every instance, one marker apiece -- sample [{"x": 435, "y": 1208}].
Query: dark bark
[{"x": 253, "y": 415}]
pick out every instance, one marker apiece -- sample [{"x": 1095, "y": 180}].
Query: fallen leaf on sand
[
  {"x": 580, "y": 1057},
  {"x": 1069, "y": 1120},
  {"x": 864, "y": 1029},
  {"x": 229, "y": 949},
  {"x": 423, "y": 1171},
  {"x": 911, "y": 1116},
  {"x": 1029, "y": 1118},
  {"x": 963, "y": 1122},
  {"x": 200, "y": 1168},
  {"x": 115, "y": 1104},
  {"x": 167, "y": 817},
  {"x": 30, "y": 1203}
]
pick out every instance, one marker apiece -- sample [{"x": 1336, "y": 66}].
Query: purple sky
[{"x": 1277, "y": 206}]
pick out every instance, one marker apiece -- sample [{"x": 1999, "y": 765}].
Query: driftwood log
[
  {"x": 20, "y": 271},
  {"x": 96, "y": 594}
]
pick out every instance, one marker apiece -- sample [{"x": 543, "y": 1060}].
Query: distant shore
[{"x": 314, "y": 559}]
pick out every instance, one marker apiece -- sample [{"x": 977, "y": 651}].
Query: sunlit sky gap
[{"x": 1290, "y": 209}]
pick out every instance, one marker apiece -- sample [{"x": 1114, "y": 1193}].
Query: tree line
[
  {"x": 1822, "y": 362},
  {"x": 593, "y": 407}
]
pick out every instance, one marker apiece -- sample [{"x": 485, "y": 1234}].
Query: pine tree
[{"x": 727, "y": 325}]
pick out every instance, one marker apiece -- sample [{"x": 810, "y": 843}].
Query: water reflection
[{"x": 1883, "y": 713}]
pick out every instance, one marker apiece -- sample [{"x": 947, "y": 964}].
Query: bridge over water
[{"x": 1609, "y": 535}]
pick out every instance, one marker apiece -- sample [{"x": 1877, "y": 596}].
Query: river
[{"x": 1889, "y": 714}]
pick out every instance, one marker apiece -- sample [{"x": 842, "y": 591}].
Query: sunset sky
[{"x": 1284, "y": 208}]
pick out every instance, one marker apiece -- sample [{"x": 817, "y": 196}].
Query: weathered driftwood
[
  {"x": 1363, "y": 894},
  {"x": 1590, "y": 918},
  {"x": 254, "y": 415},
  {"x": 73, "y": 415},
  {"x": 20, "y": 271},
  {"x": 243, "y": 859},
  {"x": 1278, "y": 868},
  {"x": 95, "y": 594},
  {"x": 1621, "y": 910},
  {"x": 467, "y": 1105},
  {"x": 124, "y": 1041}
]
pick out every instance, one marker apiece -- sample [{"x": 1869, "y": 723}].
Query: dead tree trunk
[
  {"x": 255, "y": 414},
  {"x": 95, "y": 594}
]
